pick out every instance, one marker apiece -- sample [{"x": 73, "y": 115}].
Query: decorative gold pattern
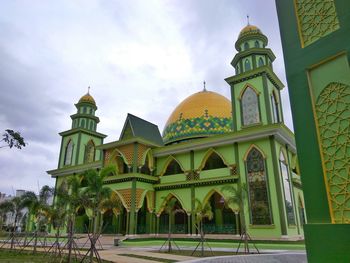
[
  {"x": 200, "y": 103},
  {"x": 233, "y": 169},
  {"x": 333, "y": 117},
  {"x": 248, "y": 30},
  {"x": 128, "y": 151},
  {"x": 201, "y": 114},
  {"x": 140, "y": 151},
  {"x": 107, "y": 156},
  {"x": 126, "y": 194},
  {"x": 150, "y": 201},
  {"x": 87, "y": 98},
  {"x": 316, "y": 19}
]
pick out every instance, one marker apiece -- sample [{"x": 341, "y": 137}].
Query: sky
[{"x": 139, "y": 57}]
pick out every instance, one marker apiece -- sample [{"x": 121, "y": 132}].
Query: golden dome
[
  {"x": 201, "y": 114},
  {"x": 87, "y": 98},
  {"x": 249, "y": 29}
]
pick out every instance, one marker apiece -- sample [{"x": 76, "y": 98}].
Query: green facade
[
  {"x": 258, "y": 151},
  {"x": 315, "y": 38}
]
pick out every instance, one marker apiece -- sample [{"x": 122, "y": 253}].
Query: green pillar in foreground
[{"x": 316, "y": 44}]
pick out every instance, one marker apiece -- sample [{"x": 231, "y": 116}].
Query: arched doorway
[
  {"x": 82, "y": 222},
  {"x": 142, "y": 219},
  {"x": 179, "y": 219},
  {"x": 109, "y": 224},
  {"x": 224, "y": 220}
]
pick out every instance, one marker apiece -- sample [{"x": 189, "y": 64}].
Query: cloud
[{"x": 142, "y": 57}]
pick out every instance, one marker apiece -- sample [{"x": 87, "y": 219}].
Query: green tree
[
  {"x": 39, "y": 208},
  {"x": 93, "y": 196},
  {"x": 171, "y": 210},
  {"x": 13, "y": 139},
  {"x": 113, "y": 203},
  {"x": 238, "y": 193},
  {"x": 15, "y": 207},
  {"x": 202, "y": 211}
]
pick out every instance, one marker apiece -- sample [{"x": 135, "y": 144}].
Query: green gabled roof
[{"x": 137, "y": 127}]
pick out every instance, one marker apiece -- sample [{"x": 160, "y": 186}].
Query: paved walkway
[
  {"x": 115, "y": 254},
  {"x": 120, "y": 254}
]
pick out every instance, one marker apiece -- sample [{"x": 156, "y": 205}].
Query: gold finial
[
  {"x": 248, "y": 20},
  {"x": 89, "y": 90},
  {"x": 204, "y": 89}
]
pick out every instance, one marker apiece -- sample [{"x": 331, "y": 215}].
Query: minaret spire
[
  {"x": 204, "y": 89},
  {"x": 248, "y": 20},
  {"x": 88, "y": 90}
]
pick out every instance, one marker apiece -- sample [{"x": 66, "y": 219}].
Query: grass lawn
[
  {"x": 7, "y": 256},
  {"x": 278, "y": 245}
]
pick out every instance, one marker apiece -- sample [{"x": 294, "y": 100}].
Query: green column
[
  {"x": 157, "y": 224},
  {"x": 278, "y": 184},
  {"x": 237, "y": 222},
  {"x": 193, "y": 207},
  {"x": 132, "y": 216},
  {"x": 193, "y": 197},
  {"x": 127, "y": 231},
  {"x": 267, "y": 100},
  {"x": 189, "y": 224}
]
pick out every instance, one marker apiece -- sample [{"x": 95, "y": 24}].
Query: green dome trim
[{"x": 196, "y": 127}]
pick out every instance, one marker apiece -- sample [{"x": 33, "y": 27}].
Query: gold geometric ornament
[
  {"x": 333, "y": 117},
  {"x": 316, "y": 19}
]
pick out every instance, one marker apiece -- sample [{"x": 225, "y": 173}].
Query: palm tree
[
  {"x": 95, "y": 194},
  {"x": 202, "y": 211},
  {"x": 238, "y": 194},
  {"x": 171, "y": 211},
  {"x": 72, "y": 201},
  {"x": 38, "y": 207},
  {"x": 15, "y": 207},
  {"x": 93, "y": 197},
  {"x": 57, "y": 214},
  {"x": 113, "y": 203}
]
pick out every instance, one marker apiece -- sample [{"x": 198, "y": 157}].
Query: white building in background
[{"x": 10, "y": 217}]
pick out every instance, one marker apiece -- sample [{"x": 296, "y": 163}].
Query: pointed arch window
[
  {"x": 247, "y": 65},
  {"x": 89, "y": 152},
  {"x": 91, "y": 125},
  {"x": 261, "y": 62},
  {"x": 68, "y": 153},
  {"x": 246, "y": 45},
  {"x": 173, "y": 168},
  {"x": 122, "y": 167},
  {"x": 257, "y": 188},
  {"x": 214, "y": 161},
  {"x": 145, "y": 168},
  {"x": 275, "y": 112},
  {"x": 257, "y": 44},
  {"x": 82, "y": 124},
  {"x": 250, "y": 107},
  {"x": 287, "y": 190}
]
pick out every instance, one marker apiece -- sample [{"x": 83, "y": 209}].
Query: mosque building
[{"x": 208, "y": 142}]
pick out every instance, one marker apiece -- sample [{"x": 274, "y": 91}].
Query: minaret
[
  {"x": 255, "y": 89},
  {"x": 79, "y": 143},
  {"x": 85, "y": 117}
]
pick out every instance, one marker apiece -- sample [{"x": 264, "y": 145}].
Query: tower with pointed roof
[
  {"x": 78, "y": 146},
  {"x": 255, "y": 89}
]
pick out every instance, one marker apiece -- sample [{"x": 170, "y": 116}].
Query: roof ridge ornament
[
  {"x": 204, "y": 89},
  {"x": 248, "y": 20},
  {"x": 88, "y": 90}
]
